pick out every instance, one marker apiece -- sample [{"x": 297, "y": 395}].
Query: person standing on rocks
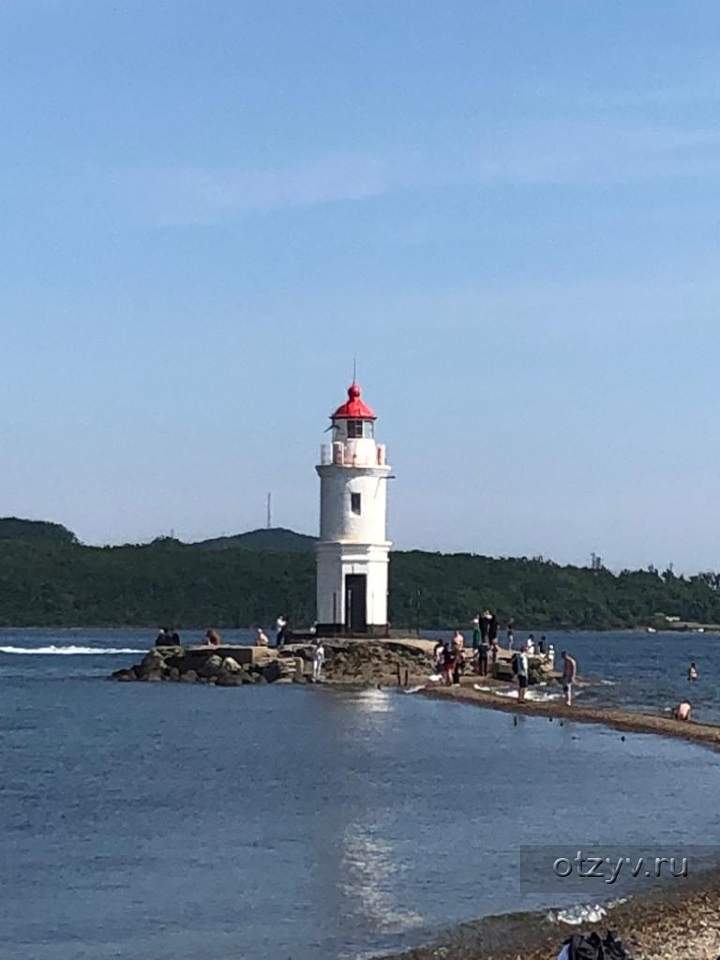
[
  {"x": 520, "y": 669},
  {"x": 568, "y": 676},
  {"x": 318, "y": 660},
  {"x": 485, "y": 623},
  {"x": 483, "y": 656},
  {"x": 439, "y": 656},
  {"x": 449, "y": 664},
  {"x": 261, "y": 639},
  {"x": 476, "y": 637},
  {"x": 280, "y": 628},
  {"x": 458, "y": 646},
  {"x": 510, "y": 633},
  {"x": 492, "y": 637}
]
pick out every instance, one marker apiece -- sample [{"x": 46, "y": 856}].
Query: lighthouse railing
[{"x": 352, "y": 454}]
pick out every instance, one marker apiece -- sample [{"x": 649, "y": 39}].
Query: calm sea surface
[{"x": 172, "y": 822}]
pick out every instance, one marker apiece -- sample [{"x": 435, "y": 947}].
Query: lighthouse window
[
  {"x": 355, "y": 503},
  {"x": 359, "y": 428}
]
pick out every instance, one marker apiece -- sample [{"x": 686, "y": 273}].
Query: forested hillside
[{"x": 48, "y": 578}]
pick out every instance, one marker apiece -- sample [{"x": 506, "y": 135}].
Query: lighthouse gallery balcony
[{"x": 353, "y": 453}]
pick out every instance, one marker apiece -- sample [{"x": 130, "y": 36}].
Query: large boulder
[
  {"x": 229, "y": 680},
  {"x": 190, "y": 676},
  {"x": 212, "y": 667},
  {"x": 125, "y": 675},
  {"x": 152, "y": 659},
  {"x": 172, "y": 650},
  {"x": 230, "y": 665}
]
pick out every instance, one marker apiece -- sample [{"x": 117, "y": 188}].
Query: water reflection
[
  {"x": 371, "y": 701},
  {"x": 370, "y": 869}
]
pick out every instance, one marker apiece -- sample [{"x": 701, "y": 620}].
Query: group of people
[
  {"x": 451, "y": 658},
  {"x": 212, "y": 639},
  {"x": 281, "y": 634}
]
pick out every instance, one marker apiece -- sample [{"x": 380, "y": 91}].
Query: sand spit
[{"x": 624, "y": 720}]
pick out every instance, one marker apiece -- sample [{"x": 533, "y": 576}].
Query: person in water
[
  {"x": 568, "y": 676},
  {"x": 693, "y": 672}
]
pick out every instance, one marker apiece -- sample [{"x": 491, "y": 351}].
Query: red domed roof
[{"x": 354, "y": 409}]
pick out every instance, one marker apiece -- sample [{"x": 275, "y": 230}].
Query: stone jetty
[{"x": 354, "y": 662}]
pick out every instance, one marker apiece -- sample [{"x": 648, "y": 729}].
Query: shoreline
[
  {"x": 679, "y": 922},
  {"x": 617, "y": 719}
]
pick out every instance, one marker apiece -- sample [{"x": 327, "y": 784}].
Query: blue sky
[{"x": 507, "y": 210}]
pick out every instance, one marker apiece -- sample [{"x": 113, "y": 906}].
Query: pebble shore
[{"x": 682, "y": 923}]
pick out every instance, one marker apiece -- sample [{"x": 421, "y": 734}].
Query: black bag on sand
[{"x": 594, "y": 947}]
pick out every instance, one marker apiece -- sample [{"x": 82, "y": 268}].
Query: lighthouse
[{"x": 352, "y": 553}]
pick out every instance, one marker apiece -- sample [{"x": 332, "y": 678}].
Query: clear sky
[{"x": 507, "y": 210}]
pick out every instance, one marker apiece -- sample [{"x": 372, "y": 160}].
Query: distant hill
[
  {"x": 13, "y": 528},
  {"x": 274, "y": 539}
]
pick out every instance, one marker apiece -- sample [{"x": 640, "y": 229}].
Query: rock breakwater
[{"x": 357, "y": 662}]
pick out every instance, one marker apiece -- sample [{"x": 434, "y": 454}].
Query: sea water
[{"x": 174, "y": 822}]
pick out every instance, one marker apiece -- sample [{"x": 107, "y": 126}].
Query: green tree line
[{"x": 47, "y": 578}]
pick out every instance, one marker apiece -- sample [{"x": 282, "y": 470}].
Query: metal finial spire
[{"x": 354, "y": 380}]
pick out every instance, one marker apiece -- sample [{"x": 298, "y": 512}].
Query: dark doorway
[{"x": 356, "y": 602}]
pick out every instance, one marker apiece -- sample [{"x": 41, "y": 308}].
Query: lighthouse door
[{"x": 356, "y": 603}]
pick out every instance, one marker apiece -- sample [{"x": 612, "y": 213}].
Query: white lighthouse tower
[{"x": 352, "y": 554}]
